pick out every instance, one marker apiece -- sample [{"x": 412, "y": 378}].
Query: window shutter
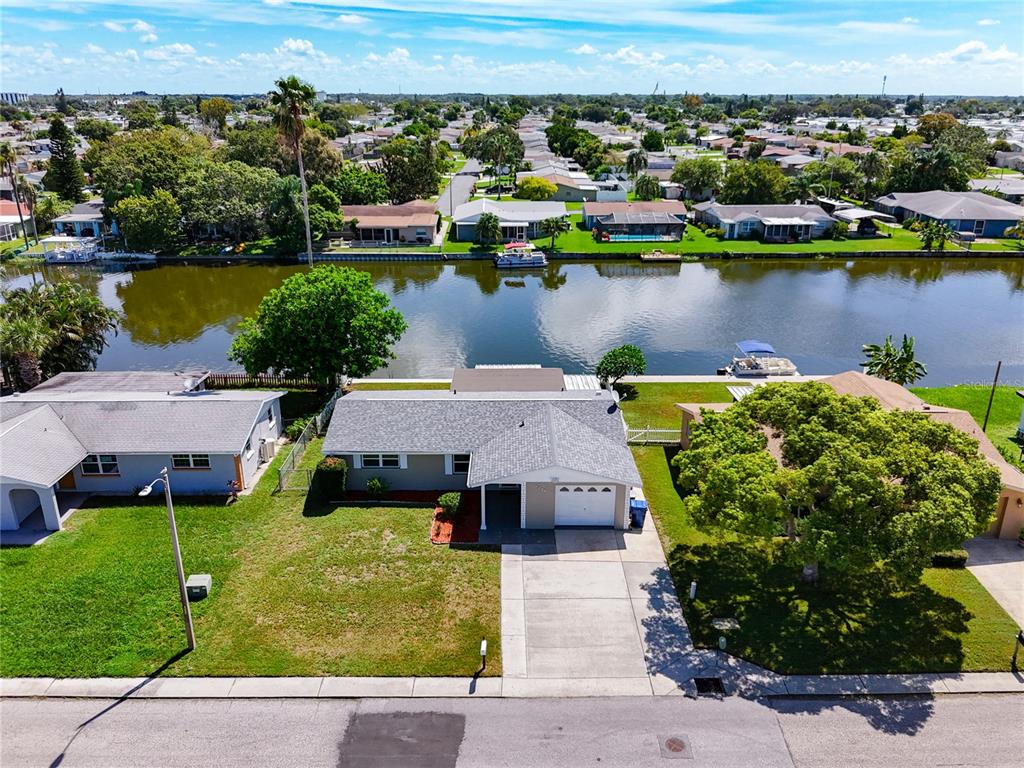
[
  {"x": 448, "y": 464},
  {"x": 403, "y": 461}
]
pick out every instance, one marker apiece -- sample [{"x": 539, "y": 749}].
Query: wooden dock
[{"x": 661, "y": 256}]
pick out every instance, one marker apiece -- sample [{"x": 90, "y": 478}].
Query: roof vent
[{"x": 522, "y": 423}]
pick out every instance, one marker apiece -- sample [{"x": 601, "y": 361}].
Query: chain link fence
[{"x": 290, "y": 475}]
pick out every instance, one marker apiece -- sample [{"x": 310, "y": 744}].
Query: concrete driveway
[
  {"x": 999, "y": 565},
  {"x": 597, "y": 604}
]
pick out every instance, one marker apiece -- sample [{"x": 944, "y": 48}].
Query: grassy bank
[{"x": 299, "y": 588}]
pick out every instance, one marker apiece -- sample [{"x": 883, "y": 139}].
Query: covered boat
[
  {"x": 758, "y": 358},
  {"x": 520, "y": 254}
]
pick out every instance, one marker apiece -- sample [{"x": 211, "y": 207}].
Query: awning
[
  {"x": 786, "y": 221},
  {"x": 856, "y": 214},
  {"x": 752, "y": 347}
]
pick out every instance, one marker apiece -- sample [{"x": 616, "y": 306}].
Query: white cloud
[
  {"x": 988, "y": 22},
  {"x": 114, "y": 26},
  {"x": 352, "y": 19},
  {"x": 171, "y": 52},
  {"x": 909, "y": 20},
  {"x": 908, "y": 25},
  {"x": 973, "y": 53},
  {"x": 142, "y": 26},
  {"x": 584, "y": 50},
  {"x": 630, "y": 55},
  {"x": 295, "y": 45},
  {"x": 94, "y": 50}
]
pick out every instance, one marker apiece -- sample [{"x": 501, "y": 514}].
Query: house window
[
  {"x": 190, "y": 460},
  {"x": 100, "y": 464},
  {"x": 270, "y": 417},
  {"x": 248, "y": 447},
  {"x": 381, "y": 461},
  {"x": 460, "y": 464}
]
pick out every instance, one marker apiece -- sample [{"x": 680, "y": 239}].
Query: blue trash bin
[{"x": 637, "y": 512}]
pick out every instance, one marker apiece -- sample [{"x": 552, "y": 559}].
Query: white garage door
[{"x": 584, "y": 505}]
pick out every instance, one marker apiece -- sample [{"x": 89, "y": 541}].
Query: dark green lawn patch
[
  {"x": 973, "y": 398},
  {"x": 865, "y": 624},
  {"x": 346, "y": 591},
  {"x": 654, "y": 404}
]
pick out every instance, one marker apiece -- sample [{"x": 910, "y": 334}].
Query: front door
[{"x": 67, "y": 483}]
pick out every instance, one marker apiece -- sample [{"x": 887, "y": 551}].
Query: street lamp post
[{"x": 186, "y": 611}]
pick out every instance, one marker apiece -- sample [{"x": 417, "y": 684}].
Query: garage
[{"x": 585, "y": 505}]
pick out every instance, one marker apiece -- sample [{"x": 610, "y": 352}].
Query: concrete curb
[{"x": 739, "y": 677}]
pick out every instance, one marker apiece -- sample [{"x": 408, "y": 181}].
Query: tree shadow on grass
[
  {"x": 869, "y": 623},
  {"x": 627, "y": 392}
]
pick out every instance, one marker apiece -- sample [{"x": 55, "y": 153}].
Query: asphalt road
[
  {"x": 458, "y": 189},
  {"x": 459, "y": 733}
]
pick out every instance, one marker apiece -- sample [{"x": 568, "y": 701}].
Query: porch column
[
  {"x": 483, "y": 507},
  {"x": 51, "y": 512},
  {"x": 522, "y": 505}
]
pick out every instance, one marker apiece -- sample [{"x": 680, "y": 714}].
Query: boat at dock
[
  {"x": 759, "y": 359},
  {"x": 520, "y": 254}
]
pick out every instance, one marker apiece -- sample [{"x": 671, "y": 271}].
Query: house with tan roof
[
  {"x": 415, "y": 223},
  {"x": 1009, "y": 517}
]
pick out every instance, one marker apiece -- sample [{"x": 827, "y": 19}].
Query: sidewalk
[{"x": 738, "y": 677}]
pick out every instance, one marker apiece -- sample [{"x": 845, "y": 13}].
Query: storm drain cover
[
  {"x": 676, "y": 747},
  {"x": 709, "y": 686}
]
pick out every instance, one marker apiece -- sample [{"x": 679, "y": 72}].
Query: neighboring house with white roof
[
  {"x": 770, "y": 223},
  {"x": 519, "y": 219},
  {"x": 112, "y": 433},
  {"x": 1010, "y": 189},
  {"x": 969, "y": 212},
  {"x": 538, "y": 457}
]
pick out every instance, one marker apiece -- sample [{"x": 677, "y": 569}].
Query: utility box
[{"x": 198, "y": 586}]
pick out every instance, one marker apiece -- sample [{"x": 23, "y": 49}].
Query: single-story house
[
  {"x": 520, "y": 219},
  {"x": 84, "y": 220},
  {"x": 640, "y": 225},
  {"x": 538, "y": 459},
  {"x": 1010, "y": 506},
  {"x": 1009, "y": 189},
  {"x": 73, "y": 435},
  {"x": 792, "y": 165},
  {"x": 770, "y": 223},
  {"x": 414, "y": 223},
  {"x": 592, "y": 212},
  {"x": 11, "y": 224},
  {"x": 968, "y": 212}
]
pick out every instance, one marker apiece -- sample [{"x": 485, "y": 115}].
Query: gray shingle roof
[
  {"x": 37, "y": 448},
  {"x": 146, "y": 422},
  {"x": 939, "y": 204},
  {"x": 586, "y": 427},
  {"x": 549, "y": 437}
]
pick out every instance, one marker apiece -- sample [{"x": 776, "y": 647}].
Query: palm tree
[
  {"x": 24, "y": 339},
  {"x": 8, "y": 157},
  {"x": 498, "y": 148},
  {"x": 1016, "y": 231},
  {"x": 488, "y": 228},
  {"x": 28, "y": 194},
  {"x": 803, "y": 188},
  {"x": 896, "y": 365},
  {"x": 291, "y": 99},
  {"x": 552, "y": 227},
  {"x": 874, "y": 166},
  {"x": 636, "y": 162}
]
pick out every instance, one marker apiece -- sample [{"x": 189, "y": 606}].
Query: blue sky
[{"x": 522, "y": 46}]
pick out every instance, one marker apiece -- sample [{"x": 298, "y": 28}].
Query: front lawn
[
  {"x": 299, "y": 588},
  {"x": 973, "y": 398},
  {"x": 946, "y": 622}
]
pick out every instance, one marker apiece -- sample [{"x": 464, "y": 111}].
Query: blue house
[
  {"x": 85, "y": 220},
  {"x": 963, "y": 212}
]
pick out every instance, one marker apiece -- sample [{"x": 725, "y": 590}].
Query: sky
[{"x": 969, "y": 47}]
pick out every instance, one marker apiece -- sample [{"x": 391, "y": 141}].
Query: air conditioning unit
[{"x": 267, "y": 450}]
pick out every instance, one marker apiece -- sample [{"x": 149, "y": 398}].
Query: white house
[
  {"x": 519, "y": 218},
  {"x": 89, "y": 434}
]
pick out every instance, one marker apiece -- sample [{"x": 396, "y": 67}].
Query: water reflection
[{"x": 966, "y": 313}]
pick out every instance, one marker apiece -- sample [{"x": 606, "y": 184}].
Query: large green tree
[
  {"x": 698, "y": 175},
  {"x": 232, "y": 196},
  {"x": 627, "y": 360},
  {"x": 64, "y": 173},
  {"x": 410, "y": 168},
  {"x": 758, "y": 182},
  {"x": 647, "y": 188},
  {"x": 148, "y": 223},
  {"x": 326, "y": 323},
  {"x": 488, "y": 228},
  {"x": 355, "y": 185},
  {"x": 852, "y": 486},
  {"x": 147, "y": 161}
]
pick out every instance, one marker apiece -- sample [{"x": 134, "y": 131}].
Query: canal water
[{"x": 966, "y": 314}]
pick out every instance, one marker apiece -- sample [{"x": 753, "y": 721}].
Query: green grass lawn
[
  {"x": 299, "y": 588},
  {"x": 653, "y": 404},
  {"x": 1003, "y": 420},
  {"x": 946, "y": 622},
  {"x": 390, "y": 385}
]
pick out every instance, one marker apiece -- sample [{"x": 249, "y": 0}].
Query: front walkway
[
  {"x": 598, "y": 605},
  {"x": 999, "y": 565}
]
